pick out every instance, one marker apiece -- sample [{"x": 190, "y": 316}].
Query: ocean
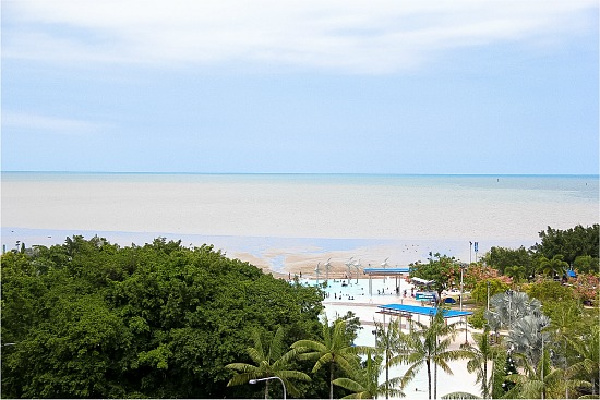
[{"x": 293, "y": 221}]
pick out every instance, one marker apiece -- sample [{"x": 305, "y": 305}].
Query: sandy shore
[{"x": 281, "y": 256}]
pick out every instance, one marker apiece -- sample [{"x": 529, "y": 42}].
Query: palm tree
[
  {"x": 459, "y": 396},
  {"x": 528, "y": 337},
  {"x": 510, "y": 306},
  {"x": 479, "y": 357},
  {"x": 423, "y": 348},
  {"x": 587, "y": 348},
  {"x": 389, "y": 340},
  {"x": 564, "y": 323},
  {"x": 540, "y": 381},
  {"x": 269, "y": 362},
  {"x": 516, "y": 272},
  {"x": 553, "y": 266},
  {"x": 365, "y": 383},
  {"x": 333, "y": 350}
]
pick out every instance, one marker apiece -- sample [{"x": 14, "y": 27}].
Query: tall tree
[
  {"x": 508, "y": 307},
  {"x": 503, "y": 257},
  {"x": 389, "y": 341},
  {"x": 573, "y": 242},
  {"x": 517, "y": 272},
  {"x": 334, "y": 350},
  {"x": 269, "y": 360},
  {"x": 529, "y": 336},
  {"x": 552, "y": 267},
  {"x": 541, "y": 381},
  {"x": 480, "y": 355},
  {"x": 444, "y": 271},
  {"x": 587, "y": 347}
]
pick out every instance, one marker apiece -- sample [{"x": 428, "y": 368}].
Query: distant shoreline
[{"x": 282, "y": 256}]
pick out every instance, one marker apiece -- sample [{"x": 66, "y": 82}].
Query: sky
[{"x": 301, "y": 86}]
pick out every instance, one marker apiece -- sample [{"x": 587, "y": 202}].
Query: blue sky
[{"x": 300, "y": 86}]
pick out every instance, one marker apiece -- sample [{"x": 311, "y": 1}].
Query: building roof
[
  {"x": 420, "y": 310},
  {"x": 386, "y": 271}
]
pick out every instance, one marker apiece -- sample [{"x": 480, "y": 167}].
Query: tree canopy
[
  {"x": 93, "y": 319},
  {"x": 571, "y": 243},
  {"x": 444, "y": 271}
]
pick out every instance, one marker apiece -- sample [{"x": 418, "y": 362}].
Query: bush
[{"x": 477, "y": 320}]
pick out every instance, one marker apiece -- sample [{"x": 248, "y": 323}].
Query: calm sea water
[{"x": 300, "y": 212}]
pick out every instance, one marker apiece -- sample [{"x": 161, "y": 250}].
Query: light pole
[
  {"x": 253, "y": 382},
  {"x": 317, "y": 273},
  {"x": 470, "y": 246},
  {"x": 541, "y": 326},
  {"x": 462, "y": 284},
  {"x": 462, "y": 288},
  {"x": 542, "y": 372},
  {"x": 488, "y": 296}
]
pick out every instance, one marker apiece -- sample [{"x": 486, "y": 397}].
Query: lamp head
[{"x": 252, "y": 381}]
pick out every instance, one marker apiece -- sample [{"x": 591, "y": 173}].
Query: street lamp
[
  {"x": 541, "y": 326},
  {"x": 462, "y": 288},
  {"x": 462, "y": 284},
  {"x": 317, "y": 273},
  {"x": 488, "y": 296},
  {"x": 253, "y": 382}
]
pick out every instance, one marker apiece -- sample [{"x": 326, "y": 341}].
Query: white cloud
[
  {"x": 41, "y": 123},
  {"x": 352, "y": 36}
]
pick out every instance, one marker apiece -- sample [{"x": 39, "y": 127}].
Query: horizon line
[{"x": 306, "y": 173}]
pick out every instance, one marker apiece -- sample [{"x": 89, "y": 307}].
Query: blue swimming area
[{"x": 421, "y": 310}]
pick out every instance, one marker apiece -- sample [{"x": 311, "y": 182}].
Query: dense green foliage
[
  {"x": 92, "y": 319},
  {"x": 502, "y": 258},
  {"x": 559, "y": 249},
  {"x": 571, "y": 243}
]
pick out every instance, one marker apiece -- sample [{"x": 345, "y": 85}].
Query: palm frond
[
  {"x": 306, "y": 345},
  {"x": 276, "y": 348},
  {"x": 349, "y": 384},
  {"x": 460, "y": 395},
  {"x": 258, "y": 346},
  {"x": 242, "y": 367},
  {"x": 293, "y": 375},
  {"x": 445, "y": 367},
  {"x": 309, "y": 356},
  {"x": 256, "y": 355},
  {"x": 286, "y": 358},
  {"x": 346, "y": 363},
  {"x": 324, "y": 359},
  {"x": 241, "y": 379}
]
